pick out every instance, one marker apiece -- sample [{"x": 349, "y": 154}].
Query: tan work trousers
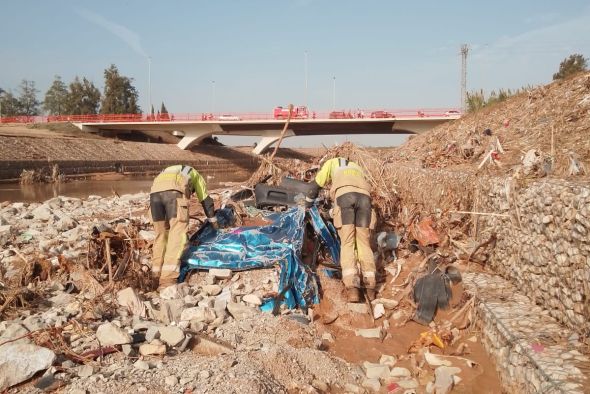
[
  {"x": 170, "y": 241},
  {"x": 354, "y": 242}
]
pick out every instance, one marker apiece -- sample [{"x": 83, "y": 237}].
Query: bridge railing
[{"x": 229, "y": 116}]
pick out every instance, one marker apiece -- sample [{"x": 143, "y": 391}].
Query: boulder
[
  {"x": 129, "y": 299},
  {"x": 109, "y": 334},
  {"x": 172, "y": 335},
  {"x": 156, "y": 347},
  {"x": 239, "y": 311},
  {"x": 220, "y": 273},
  {"x": 252, "y": 299},
  {"x": 18, "y": 362}
]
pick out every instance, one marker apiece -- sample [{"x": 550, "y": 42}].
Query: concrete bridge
[{"x": 194, "y": 131}]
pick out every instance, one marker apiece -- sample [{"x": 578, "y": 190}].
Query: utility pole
[
  {"x": 212, "y": 97},
  {"x": 464, "y": 52},
  {"x": 150, "y": 84}
]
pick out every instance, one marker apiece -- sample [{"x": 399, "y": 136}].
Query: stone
[
  {"x": 65, "y": 223},
  {"x": 204, "y": 375},
  {"x": 369, "y": 332},
  {"x": 387, "y": 303},
  {"x": 127, "y": 349},
  {"x": 372, "y": 385},
  {"x": 212, "y": 290},
  {"x": 109, "y": 334},
  {"x": 61, "y": 299},
  {"x": 322, "y": 387},
  {"x": 129, "y": 299},
  {"x": 147, "y": 235},
  {"x": 375, "y": 371},
  {"x": 208, "y": 347},
  {"x": 408, "y": 384},
  {"x": 171, "y": 380},
  {"x": 328, "y": 337},
  {"x": 388, "y": 360},
  {"x": 153, "y": 332},
  {"x": 34, "y": 323},
  {"x": 42, "y": 212},
  {"x": 357, "y": 307},
  {"x": 239, "y": 311},
  {"x": 434, "y": 360},
  {"x": 156, "y": 347},
  {"x": 85, "y": 371},
  {"x": 399, "y": 372},
  {"x": 20, "y": 361},
  {"x": 220, "y": 273},
  {"x": 142, "y": 365},
  {"x": 252, "y": 299},
  {"x": 170, "y": 311},
  {"x": 12, "y": 331},
  {"x": 171, "y": 335},
  {"x": 443, "y": 379},
  {"x": 378, "y": 311},
  {"x": 201, "y": 314}
]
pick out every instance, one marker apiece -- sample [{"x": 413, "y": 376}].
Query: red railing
[{"x": 227, "y": 116}]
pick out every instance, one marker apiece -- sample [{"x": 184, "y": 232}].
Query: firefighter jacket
[
  {"x": 346, "y": 177},
  {"x": 184, "y": 179}
]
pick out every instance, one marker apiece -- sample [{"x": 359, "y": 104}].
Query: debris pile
[{"x": 552, "y": 121}]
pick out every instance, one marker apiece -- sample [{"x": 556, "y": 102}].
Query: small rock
[
  {"x": 252, "y": 299},
  {"x": 204, "y": 375},
  {"x": 171, "y": 380},
  {"x": 140, "y": 364},
  {"x": 443, "y": 379},
  {"x": 212, "y": 290},
  {"x": 352, "y": 388},
  {"x": 129, "y": 299},
  {"x": 153, "y": 332},
  {"x": 147, "y": 235},
  {"x": 369, "y": 332},
  {"x": 400, "y": 372},
  {"x": 239, "y": 311},
  {"x": 171, "y": 335},
  {"x": 387, "y": 303},
  {"x": 388, "y": 360},
  {"x": 85, "y": 371},
  {"x": 156, "y": 347},
  {"x": 110, "y": 334},
  {"x": 127, "y": 349},
  {"x": 408, "y": 384},
  {"x": 372, "y": 385},
  {"x": 202, "y": 314},
  {"x": 328, "y": 337},
  {"x": 375, "y": 371},
  {"x": 220, "y": 273},
  {"x": 378, "y": 311},
  {"x": 171, "y": 293},
  {"x": 320, "y": 386}
]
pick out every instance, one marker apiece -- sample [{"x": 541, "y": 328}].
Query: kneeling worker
[
  {"x": 169, "y": 207},
  {"x": 351, "y": 194}
]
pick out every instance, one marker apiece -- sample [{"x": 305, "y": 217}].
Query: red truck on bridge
[{"x": 296, "y": 113}]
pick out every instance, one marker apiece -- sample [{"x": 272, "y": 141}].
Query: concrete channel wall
[
  {"x": 77, "y": 156},
  {"x": 542, "y": 249}
]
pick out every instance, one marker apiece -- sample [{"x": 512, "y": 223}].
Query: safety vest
[
  {"x": 345, "y": 176},
  {"x": 174, "y": 178}
]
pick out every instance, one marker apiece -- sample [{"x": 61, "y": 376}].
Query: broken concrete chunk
[
  {"x": 387, "y": 303},
  {"x": 156, "y": 347},
  {"x": 239, "y": 311},
  {"x": 209, "y": 347},
  {"x": 220, "y": 273},
  {"x": 85, "y": 371},
  {"x": 212, "y": 290},
  {"x": 378, "y": 311},
  {"x": 140, "y": 364},
  {"x": 109, "y": 334},
  {"x": 375, "y": 371},
  {"x": 252, "y": 299},
  {"x": 369, "y": 332},
  {"x": 388, "y": 360},
  {"x": 172, "y": 292},
  {"x": 172, "y": 335},
  {"x": 10, "y": 331},
  {"x": 372, "y": 385},
  {"x": 129, "y": 299},
  {"x": 201, "y": 314},
  {"x": 400, "y": 372},
  {"x": 433, "y": 360},
  {"x": 19, "y": 361},
  {"x": 443, "y": 379}
]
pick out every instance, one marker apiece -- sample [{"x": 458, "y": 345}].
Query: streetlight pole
[
  {"x": 334, "y": 94},
  {"x": 306, "y": 78},
  {"x": 150, "y": 84},
  {"x": 212, "y": 97}
]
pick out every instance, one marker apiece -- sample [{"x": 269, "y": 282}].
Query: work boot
[{"x": 353, "y": 294}]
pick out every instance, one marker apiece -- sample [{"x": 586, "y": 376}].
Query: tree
[
  {"x": 163, "y": 109},
  {"x": 9, "y": 104},
  {"x": 29, "y": 105},
  {"x": 56, "y": 97},
  {"x": 83, "y": 98},
  {"x": 120, "y": 96},
  {"x": 573, "y": 64}
]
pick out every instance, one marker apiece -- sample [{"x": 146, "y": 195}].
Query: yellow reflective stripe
[
  {"x": 199, "y": 185},
  {"x": 324, "y": 175}
]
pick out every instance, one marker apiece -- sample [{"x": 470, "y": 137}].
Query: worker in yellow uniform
[
  {"x": 351, "y": 193},
  {"x": 169, "y": 208}
]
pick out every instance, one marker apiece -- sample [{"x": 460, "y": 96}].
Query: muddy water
[{"x": 104, "y": 185}]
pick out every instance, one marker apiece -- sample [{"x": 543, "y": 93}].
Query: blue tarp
[{"x": 277, "y": 243}]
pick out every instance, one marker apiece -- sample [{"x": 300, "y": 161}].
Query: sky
[{"x": 250, "y": 56}]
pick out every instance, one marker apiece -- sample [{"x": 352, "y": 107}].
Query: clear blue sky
[{"x": 384, "y": 54}]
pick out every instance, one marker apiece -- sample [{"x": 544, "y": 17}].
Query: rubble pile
[{"x": 542, "y": 132}]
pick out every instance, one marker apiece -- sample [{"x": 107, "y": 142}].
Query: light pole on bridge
[
  {"x": 212, "y": 97},
  {"x": 334, "y": 94},
  {"x": 306, "y": 104},
  {"x": 149, "y": 110}
]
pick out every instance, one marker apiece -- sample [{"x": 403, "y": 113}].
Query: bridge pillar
[
  {"x": 192, "y": 137},
  {"x": 269, "y": 138}
]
